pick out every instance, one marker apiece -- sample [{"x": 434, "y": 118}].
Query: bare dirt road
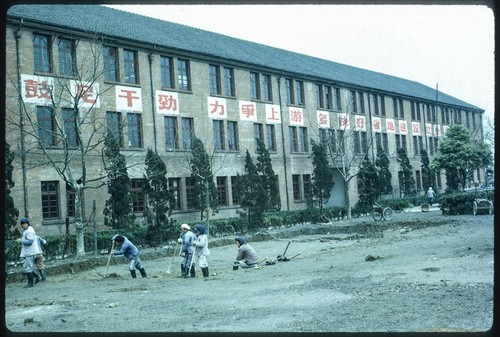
[{"x": 419, "y": 272}]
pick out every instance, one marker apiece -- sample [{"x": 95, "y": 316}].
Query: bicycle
[{"x": 380, "y": 212}]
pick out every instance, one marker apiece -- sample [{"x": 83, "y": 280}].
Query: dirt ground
[{"x": 419, "y": 272}]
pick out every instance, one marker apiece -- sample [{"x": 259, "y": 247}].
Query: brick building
[{"x": 155, "y": 84}]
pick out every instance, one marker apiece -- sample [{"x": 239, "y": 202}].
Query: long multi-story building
[{"x": 156, "y": 84}]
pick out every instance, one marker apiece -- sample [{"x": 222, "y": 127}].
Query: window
[
  {"x": 267, "y": 92},
  {"x": 171, "y": 133},
  {"x": 254, "y": 86},
  {"x": 218, "y": 131},
  {"x": 187, "y": 132},
  {"x": 327, "y": 140},
  {"x": 401, "y": 142},
  {"x": 232, "y": 136},
  {"x": 114, "y": 125},
  {"x": 382, "y": 142},
  {"x": 415, "y": 111},
  {"x": 130, "y": 66},
  {"x": 66, "y": 57},
  {"x": 183, "y": 74},
  {"x": 234, "y": 190},
  {"x": 357, "y": 102},
  {"x": 360, "y": 142},
  {"x": 69, "y": 124},
  {"x": 340, "y": 141},
  {"x": 134, "y": 124},
  {"x": 110, "y": 63},
  {"x": 271, "y": 137},
  {"x": 260, "y": 87},
  {"x": 41, "y": 53},
  {"x": 303, "y": 144},
  {"x": 329, "y": 97},
  {"x": 137, "y": 195},
  {"x": 190, "y": 193},
  {"x": 320, "y": 102},
  {"x": 70, "y": 201},
  {"x": 215, "y": 85},
  {"x": 46, "y": 126},
  {"x": 337, "y": 102},
  {"x": 294, "y": 142},
  {"x": 50, "y": 200},
  {"x": 167, "y": 75},
  {"x": 379, "y": 105},
  {"x": 174, "y": 187},
  {"x": 258, "y": 134},
  {"x": 418, "y": 180},
  {"x": 222, "y": 191},
  {"x": 430, "y": 141},
  {"x": 294, "y": 92},
  {"x": 417, "y": 145},
  {"x": 296, "y": 187},
  {"x": 398, "y": 108},
  {"x": 228, "y": 81},
  {"x": 307, "y": 186}
]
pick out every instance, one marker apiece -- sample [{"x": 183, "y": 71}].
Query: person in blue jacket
[
  {"x": 131, "y": 252},
  {"x": 187, "y": 238}
]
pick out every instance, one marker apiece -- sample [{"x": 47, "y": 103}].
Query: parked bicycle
[{"x": 380, "y": 212}]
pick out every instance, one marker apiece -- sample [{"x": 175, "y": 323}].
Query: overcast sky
[{"x": 449, "y": 45}]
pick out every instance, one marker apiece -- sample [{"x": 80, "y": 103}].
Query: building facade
[{"x": 75, "y": 72}]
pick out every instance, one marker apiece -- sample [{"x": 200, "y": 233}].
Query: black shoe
[
  {"x": 133, "y": 274},
  {"x": 143, "y": 272}
]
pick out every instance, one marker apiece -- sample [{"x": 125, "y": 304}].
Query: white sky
[{"x": 449, "y": 45}]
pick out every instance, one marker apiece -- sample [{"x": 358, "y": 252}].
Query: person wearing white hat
[
  {"x": 186, "y": 238},
  {"x": 430, "y": 195}
]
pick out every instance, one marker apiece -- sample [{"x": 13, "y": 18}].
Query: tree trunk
[
  {"x": 80, "y": 239},
  {"x": 347, "y": 200}
]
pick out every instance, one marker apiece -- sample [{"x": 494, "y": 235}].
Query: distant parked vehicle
[{"x": 489, "y": 186}]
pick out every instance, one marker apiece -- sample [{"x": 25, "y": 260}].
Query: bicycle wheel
[
  {"x": 387, "y": 213},
  {"x": 377, "y": 215}
]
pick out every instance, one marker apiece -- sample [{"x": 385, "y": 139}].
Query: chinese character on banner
[
  {"x": 390, "y": 125},
  {"x": 36, "y": 89},
  {"x": 167, "y": 102},
  {"x": 128, "y": 98},
  {"x": 273, "y": 115},
  {"x": 344, "y": 122},
  {"x": 88, "y": 95},
  {"x": 296, "y": 116},
  {"x": 403, "y": 127},
  {"x": 437, "y": 131},
  {"x": 359, "y": 123},
  {"x": 428, "y": 129},
  {"x": 415, "y": 128},
  {"x": 323, "y": 118},
  {"x": 248, "y": 111},
  {"x": 376, "y": 124},
  {"x": 216, "y": 107}
]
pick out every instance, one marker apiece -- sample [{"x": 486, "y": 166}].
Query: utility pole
[{"x": 283, "y": 144}]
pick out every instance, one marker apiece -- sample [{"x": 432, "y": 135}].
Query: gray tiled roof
[{"x": 124, "y": 25}]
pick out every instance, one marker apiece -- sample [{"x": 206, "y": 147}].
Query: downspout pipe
[
  {"x": 283, "y": 143},
  {"x": 18, "y": 35},
  {"x": 151, "y": 58}
]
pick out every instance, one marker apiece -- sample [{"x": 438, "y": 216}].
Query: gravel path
[{"x": 419, "y": 272}]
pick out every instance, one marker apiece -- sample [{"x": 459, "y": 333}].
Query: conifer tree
[
  {"x": 118, "y": 208},
  {"x": 158, "y": 199},
  {"x": 368, "y": 184},
  {"x": 252, "y": 193},
  {"x": 204, "y": 191},
  {"x": 322, "y": 179},
  {"x": 11, "y": 213},
  {"x": 269, "y": 178},
  {"x": 407, "y": 183},
  {"x": 385, "y": 176}
]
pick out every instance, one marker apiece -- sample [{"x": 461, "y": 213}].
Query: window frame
[
  {"x": 42, "y": 53},
  {"x": 130, "y": 66},
  {"x": 66, "y": 57},
  {"x": 134, "y": 128},
  {"x": 167, "y": 72},
  {"x": 111, "y": 64},
  {"x": 50, "y": 198}
]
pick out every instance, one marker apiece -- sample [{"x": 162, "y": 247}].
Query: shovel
[
  {"x": 172, "y": 261},
  {"x": 109, "y": 259}
]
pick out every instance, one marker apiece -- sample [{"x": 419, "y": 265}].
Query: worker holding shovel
[
  {"x": 187, "y": 238},
  {"x": 131, "y": 252}
]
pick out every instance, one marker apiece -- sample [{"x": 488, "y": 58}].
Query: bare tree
[{"x": 61, "y": 124}]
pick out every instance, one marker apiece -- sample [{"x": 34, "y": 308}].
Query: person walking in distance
[
  {"x": 131, "y": 252},
  {"x": 39, "y": 258},
  {"x": 29, "y": 250},
  {"x": 201, "y": 248},
  {"x": 430, "y": 195},
  {"x": 186, "y": 238}
]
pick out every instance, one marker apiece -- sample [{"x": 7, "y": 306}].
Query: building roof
[{"x": 119, "y": 24}]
